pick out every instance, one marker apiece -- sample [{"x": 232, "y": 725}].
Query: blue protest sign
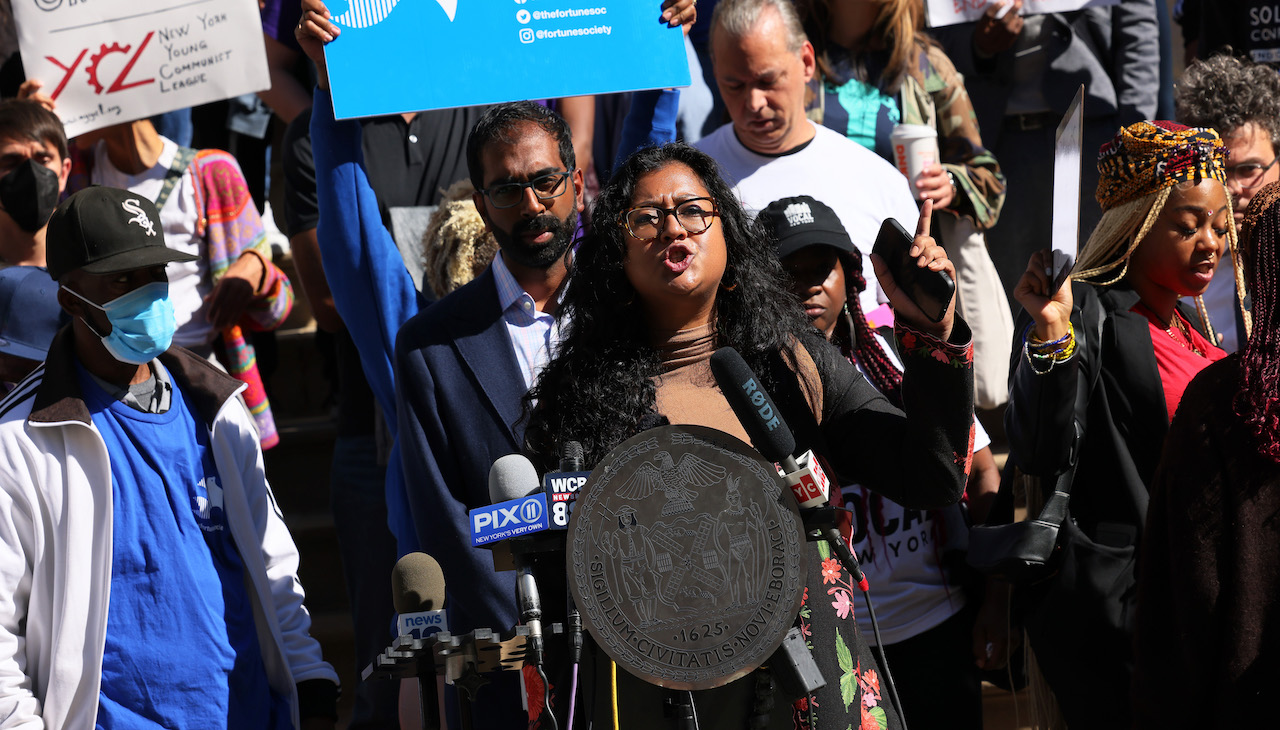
[{"x": 396, "y": 56}]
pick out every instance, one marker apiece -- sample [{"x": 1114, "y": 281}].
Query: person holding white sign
[
  {"x": 1102, "y": 363},
  {"x": 1023, "y": 72}
]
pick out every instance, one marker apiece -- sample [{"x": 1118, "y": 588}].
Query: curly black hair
[
  {"x": 600, "y": 384},
  {"x": 1225, "y": 93}
]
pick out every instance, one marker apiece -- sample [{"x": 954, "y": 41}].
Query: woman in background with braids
[
  {"x": 1101, "y": 365},
  {"x": 1210, "y": 578},
  {"x": 912, "y": 557}
]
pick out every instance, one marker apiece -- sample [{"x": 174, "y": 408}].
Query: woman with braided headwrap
[
  {"x": 1100, "y": 367},
  {"x": 1210, "y": 578}
]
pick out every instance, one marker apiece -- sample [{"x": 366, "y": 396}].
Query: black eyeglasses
[
  {"x": 546, "y": 187},
  {"x": 1249, "y": 174},
  {"x": 645, "y": 223}
]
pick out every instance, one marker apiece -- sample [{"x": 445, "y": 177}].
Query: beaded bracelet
[
  {"x": 1064, "y": 348},
  {"x": 1030, "y": 336}
]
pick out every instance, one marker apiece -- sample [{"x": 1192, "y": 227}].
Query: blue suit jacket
[{"x": 459, "y": 390}]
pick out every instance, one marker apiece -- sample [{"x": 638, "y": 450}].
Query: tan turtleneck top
[{"x": 687, "y": 391}]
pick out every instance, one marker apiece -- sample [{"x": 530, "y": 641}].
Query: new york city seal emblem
[{"x": 687, "y": 557}]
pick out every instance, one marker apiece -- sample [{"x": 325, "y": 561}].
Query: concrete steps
[{"x": 298, "y": 470}]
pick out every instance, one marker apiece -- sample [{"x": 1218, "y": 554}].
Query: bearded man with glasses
[{"x": 1240, "y": 100}]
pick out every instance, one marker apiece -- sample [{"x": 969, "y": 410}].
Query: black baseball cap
[
  {"x": 104, "y": 231},
  {"x": 802, "y": 221}
]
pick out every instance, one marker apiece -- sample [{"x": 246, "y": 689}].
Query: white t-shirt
[
  {"x": 188, "y": 281},
  {"x": 899, "y": 550},
  {"x": 859, "y": 185}
]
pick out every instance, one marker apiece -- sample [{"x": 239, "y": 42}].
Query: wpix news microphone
[{"x": 513, "y": 479}]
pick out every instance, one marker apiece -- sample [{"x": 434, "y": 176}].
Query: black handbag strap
[{"x": 1054, "y": 511}]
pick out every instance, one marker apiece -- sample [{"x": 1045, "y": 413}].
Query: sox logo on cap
[{"x": 139, "y": 216}]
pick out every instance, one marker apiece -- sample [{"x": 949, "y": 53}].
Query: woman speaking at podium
[{"x": 674, "y": 270}]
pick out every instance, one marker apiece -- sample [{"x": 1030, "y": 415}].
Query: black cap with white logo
[
  {"x": 104, "y": 231},
  {"x": 802, "y": 221}
]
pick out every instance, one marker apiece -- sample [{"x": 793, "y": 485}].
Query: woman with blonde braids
[
  {"x": 1210, "y": 577},
  {"x": 1100, "y": 367}
]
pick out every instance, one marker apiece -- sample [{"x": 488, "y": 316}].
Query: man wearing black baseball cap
[{"x": 129, "y": 469}]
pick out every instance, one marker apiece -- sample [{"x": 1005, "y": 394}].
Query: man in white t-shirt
[{"x": 770, "y": 150}]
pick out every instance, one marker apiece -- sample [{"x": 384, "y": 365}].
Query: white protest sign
[
  {"x": 950, "y": 12},
  {"x": 111, "y": 61},
  {"x": 1068, "y": 154}
]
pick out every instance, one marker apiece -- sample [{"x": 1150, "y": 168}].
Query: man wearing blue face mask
[
  {"x": 33, "y": 172},
  {"x": 128, "y": 470}
]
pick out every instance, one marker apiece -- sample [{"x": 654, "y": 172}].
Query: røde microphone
[
  {"x": 513, "y": 477},
  {"x": 417, "y": 591},
  {"x": 767, "y": 429},
  {"x": 772, "y": 438}
]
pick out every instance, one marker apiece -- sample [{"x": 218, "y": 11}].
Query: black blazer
[{"x": 1123, "y": 424}]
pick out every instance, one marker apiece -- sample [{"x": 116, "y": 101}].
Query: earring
[{"x": 729, "y": 274}]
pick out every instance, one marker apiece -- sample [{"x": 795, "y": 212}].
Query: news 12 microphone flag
[
  {"x": 395, "y": 56},
  {"x": 111, "y": 61}
]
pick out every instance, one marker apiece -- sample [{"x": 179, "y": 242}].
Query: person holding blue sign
[{"x": 463, "y": 365}]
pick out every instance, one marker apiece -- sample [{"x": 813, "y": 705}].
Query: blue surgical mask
[{"x": 142, "y": 323}]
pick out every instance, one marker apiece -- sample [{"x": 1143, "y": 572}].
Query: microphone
[
  {"x": 570, "y": 469},
  {"x": 772, "y": 438},
  {"x": 513, "y": 478},
  {"x": 417, "y": 591},
  {"x": 562, "y": 486},
  {"x": 767, "y": 428}
]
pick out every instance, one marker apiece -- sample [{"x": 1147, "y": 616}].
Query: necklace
[
  {"x": 1186, "y": 336},
  {"x": 1174, "y": 321}
]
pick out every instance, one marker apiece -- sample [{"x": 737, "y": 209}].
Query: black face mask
[{"x": 29, "y": 194}]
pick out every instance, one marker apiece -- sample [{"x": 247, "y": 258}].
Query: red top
[{"x": 1177, "y": 359}]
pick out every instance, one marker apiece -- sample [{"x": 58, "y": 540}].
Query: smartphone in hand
[{"x": 930, "y": 290}]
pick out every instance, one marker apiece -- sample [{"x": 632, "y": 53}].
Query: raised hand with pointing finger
[{"x": 928, "y": 254}]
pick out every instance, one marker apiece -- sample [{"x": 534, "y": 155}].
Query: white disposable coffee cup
[{"x": 914, "y": 147}]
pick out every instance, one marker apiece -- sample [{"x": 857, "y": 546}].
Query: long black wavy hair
[{"x": 600, "y": 384}]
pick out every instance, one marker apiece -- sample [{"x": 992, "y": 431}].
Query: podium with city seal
[{"x": 686, "y": 557}]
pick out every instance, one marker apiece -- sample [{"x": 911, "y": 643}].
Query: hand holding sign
[
  {"x": 1051, "y": 310},
  {"x": 999, "y": 27},
  {"x": 313, "y": 31}
]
